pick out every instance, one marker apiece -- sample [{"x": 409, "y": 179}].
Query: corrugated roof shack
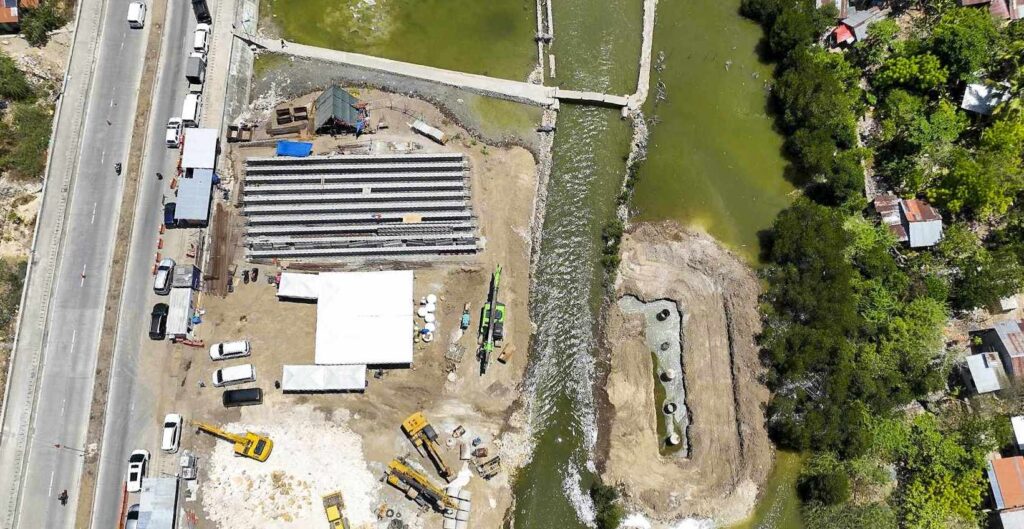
[
  {"x": 337, "y": 111},
  {"x": 194, "y": 192},
  {"x": 1007, "y": 338},
  {"x": 1006, "y": 477},
  {"x": 912, "y": 221},
  {"x": 158, "y": 503},
  {"x": 985, "y": 373},
  {"x": 11, "y": 13}
]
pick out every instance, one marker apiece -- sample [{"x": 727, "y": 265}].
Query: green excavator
[{"x": 492, "y": 322}]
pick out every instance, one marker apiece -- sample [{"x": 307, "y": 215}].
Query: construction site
[{"x": 384, "y": 321}]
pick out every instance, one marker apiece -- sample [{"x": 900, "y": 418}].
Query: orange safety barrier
[
  {"x": 158, "y": 256},
  {"x": 160, "y": 244},
  {"x": 162, "y": 229},
  {"x": 154, "y": 269}
]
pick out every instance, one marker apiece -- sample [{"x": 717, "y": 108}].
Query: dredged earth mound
[{"x": 729, "y": 453}]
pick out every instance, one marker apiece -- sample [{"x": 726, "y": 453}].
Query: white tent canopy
[
  {"x": 199, "y": 149},
  {"x": 365, "y": 318},
  {"x": 324, "y": 378},
  {"x": 299, "y": 286}
]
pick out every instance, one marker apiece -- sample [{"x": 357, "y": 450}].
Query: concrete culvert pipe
[
  {"x": 665, "y": 346},
  {"x": 663, "y": 315},
  {"x": 673, "y": 439},
  {"x": 668, "y": 374},
  {"x": 670, "y": 407}
]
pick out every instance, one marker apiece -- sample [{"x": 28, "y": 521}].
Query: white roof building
[
  {"x": 363, "y": 318},
  {"x": 983, "y": 99},
  {"x": 323, "y": 379},
  {"x": 1018, "y": 431},
  {"x": 986, "y": 371},
  {"x": 179, "y": 316},
  {"x": 199, "y": 149}
]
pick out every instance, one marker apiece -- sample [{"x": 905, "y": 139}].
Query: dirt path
[{"x": 730, "y": 454}]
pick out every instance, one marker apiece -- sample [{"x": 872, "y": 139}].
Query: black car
[
  {"x": 242, "y": 397},
  {"x": 169, "y": 209},
  {"x": 158, "y": 321}
]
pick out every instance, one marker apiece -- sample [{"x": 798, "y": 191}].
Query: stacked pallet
[{"x": 359, "y": 206}]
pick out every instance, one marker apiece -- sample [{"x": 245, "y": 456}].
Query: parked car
[
  {"x": 172, "y": 433},
  {"x": 233, "y": 398},
  {"x": 162, "y": 279},
  {"x": 229, "y": 350},
  {"x": 234, "y": 375},
  {"x": 173, "y": 137},
  {"x": 158, "y": 321},
  {"x": 169, "y": 209},
  {"x": 131, "y": 520},
  {"x": 201, "y": 38},
  {"x": 137, "y": 464}
]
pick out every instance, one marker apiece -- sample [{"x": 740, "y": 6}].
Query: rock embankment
[{"x": 729, "y": 454}]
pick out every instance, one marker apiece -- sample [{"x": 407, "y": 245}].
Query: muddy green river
[{"x": 714, "y": 162}]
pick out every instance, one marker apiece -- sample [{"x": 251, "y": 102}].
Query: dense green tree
[
  {"x": 763, "y": 11},
  {"x": 798, "y": 25},
  {"x": 964, "y": 38},
  {"x": 923, "y": 72},
  {"x": 608, "y": 512},
  {"x": 978, "y": 185},
  {"x": 981, "y": 277},
  {"x": 819, "y": 91},
  {"x": 13, "y": 84},
  {"x": 38, "y": 22},
  {"x": 879, "y": 43}
]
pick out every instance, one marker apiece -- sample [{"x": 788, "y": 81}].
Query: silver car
[{"x": 164, "y": 275}]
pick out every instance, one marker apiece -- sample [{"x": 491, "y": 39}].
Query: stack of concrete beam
[
  {"x": 458, "y": 518},
  {"x": 359, "y": 206}
]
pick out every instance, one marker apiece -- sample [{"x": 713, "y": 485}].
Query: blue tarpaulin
[{"x": 298, "y": 149}]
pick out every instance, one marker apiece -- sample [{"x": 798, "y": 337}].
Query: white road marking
[
  {"x": 63, "y": 404},
  {"x": 111, "y": 103},
  {"x": 83, "y": 276},
  {"x": 74, "y": 334},
  {"x": 50, "y": 492},
  {"x": 93, "y": 221},
  {"x": 103, "y": 156}
]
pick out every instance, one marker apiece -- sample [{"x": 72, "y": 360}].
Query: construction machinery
[
  {"x": 334, "y": 507},
  {"x": 249, "y": 444},
  {"x": 464, "y": 322},
  {"x": 492, "y": 322},
  {"x": 424, "y": 438},
  {"x": 418, "y": 488}
]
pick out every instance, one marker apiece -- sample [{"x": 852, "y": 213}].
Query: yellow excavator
[
  {"x": 251, "y": 445},
  {"x": 424, "y": 438},
  {"x": 418, "y": 488}
]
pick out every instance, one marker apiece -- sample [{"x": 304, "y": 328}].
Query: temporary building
[
  {"x": 431, "y": 132},
  {"x": 365, "y": 318},
  {"x": 323, "y": 379},
  {"x": 158, "y": 503},
  {"x": 299, "y": 286},
  {"x": 336, "y": 110},
  {"x": 179, "y": 317},
  {"x": 199, "y": 149},
  {"x": 985, "y": 372},
  {"x": 193, "y": 206}
]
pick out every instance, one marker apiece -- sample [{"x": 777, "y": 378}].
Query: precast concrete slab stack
[{"x": 329, "y": 208}]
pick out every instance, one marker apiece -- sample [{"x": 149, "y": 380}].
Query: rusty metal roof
[
  {"x": 1007, "y": 476},
  {"x": 919, "y": 211},
  {"x": 1011, "y": 334}
]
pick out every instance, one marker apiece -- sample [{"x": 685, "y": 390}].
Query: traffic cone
[
  {"x": 160, "y": 244},
  {"x": 158, "y": 256}
]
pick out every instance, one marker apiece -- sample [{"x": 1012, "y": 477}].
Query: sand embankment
[{"x": 730, "y": 454}]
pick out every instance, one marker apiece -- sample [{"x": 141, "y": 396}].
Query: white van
[
  {"x": 234, "y": 375},
  {"x": 201, "y": 39},
  {"x": 229, "y": 350},
  {"x": 191, "y": 109},
  {"x": 136, "y": 15}
]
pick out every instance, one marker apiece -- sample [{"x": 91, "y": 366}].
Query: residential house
[
  {"x": 983, "y": 99},
  {"x": 1007, "y": 339},
  {"x": 1001, "y": 9},
  {"x": 1018, "y": 432},
  {"x": 912, "y": 221},
  {"x": 984, "y": 373},
  {"x": 10, "y": 14},
  {"x": 1006, "y": 477}
]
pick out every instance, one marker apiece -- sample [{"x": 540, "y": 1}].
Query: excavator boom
[
  {"x": 423, "y": 436},
  {"x": 251, "y": 445}
]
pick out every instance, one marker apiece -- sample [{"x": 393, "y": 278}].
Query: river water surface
[{"x": 714, "y": 161}]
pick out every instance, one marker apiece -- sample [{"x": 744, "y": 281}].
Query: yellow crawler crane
[
  {"x": 334, "y": 507},
  {"x": 424, "y": 438},
  {"x": 418, "y": 488},
  {"x": 251, "y": 445}
]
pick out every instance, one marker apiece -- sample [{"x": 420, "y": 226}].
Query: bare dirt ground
[
  {"x": 504, "y": 182},
  {"x": 730, "y": 454}
]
